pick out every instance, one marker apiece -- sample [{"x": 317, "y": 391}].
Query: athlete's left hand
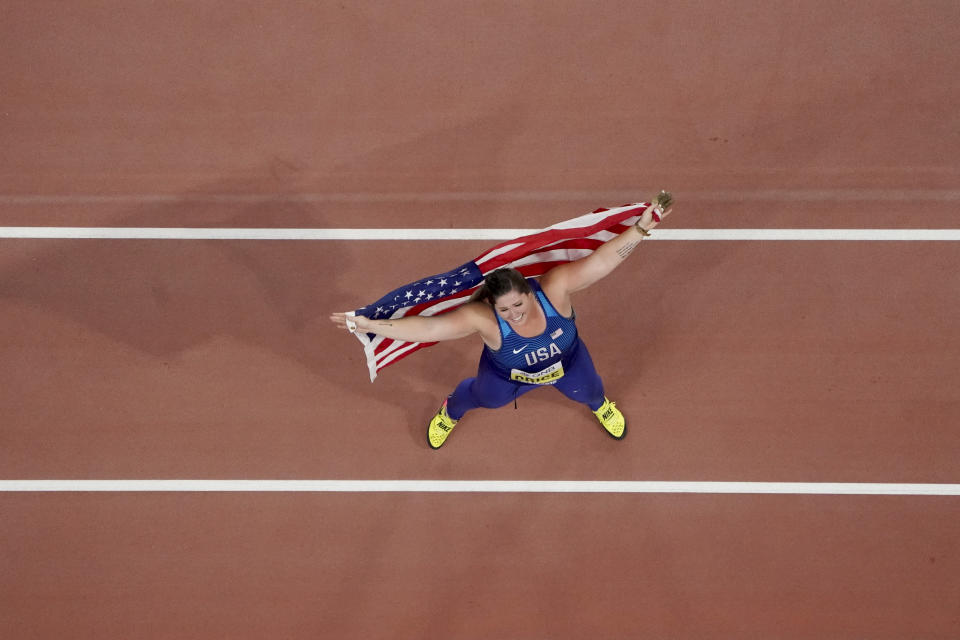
[{"x": 659, "y": 209}]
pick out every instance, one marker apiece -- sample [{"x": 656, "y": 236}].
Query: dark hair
[{"x": 500, "y": 282}]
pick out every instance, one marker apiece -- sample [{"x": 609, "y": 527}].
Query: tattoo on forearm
[
  {"x": 384, "y": 324},
  {"x": 627, "y": 249}
]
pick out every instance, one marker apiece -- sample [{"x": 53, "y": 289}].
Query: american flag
[{"x": 532, "y": 255}]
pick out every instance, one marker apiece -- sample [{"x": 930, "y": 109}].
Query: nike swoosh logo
[{"x": 516, "y": 351}]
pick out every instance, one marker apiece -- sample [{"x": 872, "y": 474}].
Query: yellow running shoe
[
  {"x": 440, "y": 427},
  {"x": 611, "y": 419}
]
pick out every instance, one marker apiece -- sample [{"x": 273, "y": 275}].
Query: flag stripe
[
  {"x": 497, "y": 251},
  {"x": 403, "y": 352}
]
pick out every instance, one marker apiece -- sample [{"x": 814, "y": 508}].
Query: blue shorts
[{"x": 491, "y": 388}]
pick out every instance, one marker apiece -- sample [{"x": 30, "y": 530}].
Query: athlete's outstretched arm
[
  {"x": 582, "y": 273},
  {"x": 459, "y": 323}
]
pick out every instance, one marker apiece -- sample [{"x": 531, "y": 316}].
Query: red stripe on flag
[
  {"x": 422, "y": 345},
  {"x": 539, "y": 268}
]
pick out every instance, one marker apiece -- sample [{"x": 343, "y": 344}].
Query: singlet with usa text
[{"x": 557, "y": 343}]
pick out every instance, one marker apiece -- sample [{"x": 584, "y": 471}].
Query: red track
[{"x": 820, "y": 362}]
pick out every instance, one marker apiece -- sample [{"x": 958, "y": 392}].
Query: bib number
[{"x": 546, "y": 376}]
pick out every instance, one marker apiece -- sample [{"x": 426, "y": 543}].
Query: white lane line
[
  {"x": 481, "y": 486},
  {"x": 624, "y": 195},
  {"x": 194, "y": 233}
]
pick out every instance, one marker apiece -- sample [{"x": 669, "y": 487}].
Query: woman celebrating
[{"x": 528, "y": 331}]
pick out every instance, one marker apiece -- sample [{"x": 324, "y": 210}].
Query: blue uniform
[{"x": 557, "y": 357}]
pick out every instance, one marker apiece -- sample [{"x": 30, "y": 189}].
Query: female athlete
[{"x": 528, "y": 331}]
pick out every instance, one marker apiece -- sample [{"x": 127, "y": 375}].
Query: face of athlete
[{"x": 515, "y": 307}]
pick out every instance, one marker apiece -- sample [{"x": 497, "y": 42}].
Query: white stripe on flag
[
  {"x": 557, "y": 255},
  {"x": 397, "y": 350},
  {"x": 498, "y": 252}
]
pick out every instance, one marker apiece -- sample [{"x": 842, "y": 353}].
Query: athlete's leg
[
  {"x": 580, "y": 381},
  {"x": 584, "y": 385},
  {"x": 488, "y": 389}
]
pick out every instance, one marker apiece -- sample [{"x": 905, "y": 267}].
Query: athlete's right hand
[{"x": 344, "y": 321}]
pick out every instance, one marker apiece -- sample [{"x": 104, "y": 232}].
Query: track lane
[
  {"x": 215, "y": 360},
  {"x": 416, "y": 565}
]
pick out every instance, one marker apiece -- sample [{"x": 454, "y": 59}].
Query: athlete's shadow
[{"x": 165, "y": 297}]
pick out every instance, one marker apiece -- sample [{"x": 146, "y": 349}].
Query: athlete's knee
[
  {"x": 491, "y": 400},
  {"x": 462, "y": 399},
  {"x": 586, "y": 389}
]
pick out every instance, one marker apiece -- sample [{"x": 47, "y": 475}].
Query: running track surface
[{"x": 734, "y": 361}]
